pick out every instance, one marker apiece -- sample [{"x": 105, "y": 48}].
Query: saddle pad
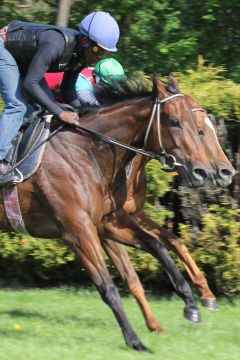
[
  {"x": 11, "y": 206},
  {"x": 27, "y": 168},
  {"x": 32, "y": 161},
  {"x": 12, "y": 210}
]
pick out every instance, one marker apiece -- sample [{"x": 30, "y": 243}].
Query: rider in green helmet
[{"x": 106, "y": 70}]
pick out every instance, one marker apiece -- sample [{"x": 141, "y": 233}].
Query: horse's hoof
[
  {"x": 158, "y": 329},
  {"x": 155, "y": 327},
  {"x": 192, "y": 315},
  {"x": 136, "y": 344},
  {"x": 140, "y": 347},
  {"x": 210, "y": 304}
]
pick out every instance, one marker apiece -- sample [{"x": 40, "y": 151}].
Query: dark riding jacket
[
  {"x": 38, "y": 48},
  {"x": 22, "y": 42}
]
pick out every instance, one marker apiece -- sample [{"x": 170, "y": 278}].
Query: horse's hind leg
[
  {"x": 127, "y": 231},
  {"x": 173, "y": 243},
  {"x": 119, "y": 257},
  {"x": 87, "y": 248}
]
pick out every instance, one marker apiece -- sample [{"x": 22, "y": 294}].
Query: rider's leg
[{"x": 11, "y": 118}]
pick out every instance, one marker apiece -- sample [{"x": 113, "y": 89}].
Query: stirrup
[
  {"x": 11, "y": 179},
  {"x": 21, "y": 176}
]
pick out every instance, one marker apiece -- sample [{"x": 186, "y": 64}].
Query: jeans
[{"x": 12, "y": 93}]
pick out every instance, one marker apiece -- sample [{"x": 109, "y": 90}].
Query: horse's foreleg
[
  {"x": 120, "y": 259},
  {"x": 173, "y": 243},
  {"x": 88, "y": 249},
  {"x": 128, "y": 232}
]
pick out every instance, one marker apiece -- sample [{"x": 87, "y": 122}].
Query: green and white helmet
[{"x": 108, "y": 69}]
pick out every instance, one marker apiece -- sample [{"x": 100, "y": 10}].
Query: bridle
[{"x": 167, "y": 160}]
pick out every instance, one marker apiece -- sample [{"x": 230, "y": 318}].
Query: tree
[{"x": 63, "y": 12}]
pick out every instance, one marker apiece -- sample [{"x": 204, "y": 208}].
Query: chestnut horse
[
  {"x": 136, "y": 186},
  {"x": 80, "y": 185}
]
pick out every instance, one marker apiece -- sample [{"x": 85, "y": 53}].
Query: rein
[
  {"x": 111, "y": 141},
  {"x": 167, "y": 160}
]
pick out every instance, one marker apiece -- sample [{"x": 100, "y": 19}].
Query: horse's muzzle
[{"x": 200, "y": 175}]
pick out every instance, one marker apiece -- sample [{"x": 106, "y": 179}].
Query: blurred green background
[{"x": 199, "y": 43}]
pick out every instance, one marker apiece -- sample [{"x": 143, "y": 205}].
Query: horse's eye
[
  {"x": 174, "y": 122},
  {"x": 200, "y": 131}
]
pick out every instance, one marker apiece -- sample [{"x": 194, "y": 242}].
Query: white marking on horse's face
[{"x": 209, "y": 124}]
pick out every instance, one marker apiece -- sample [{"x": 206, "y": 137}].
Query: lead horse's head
[{"x": 185, "y": 137}]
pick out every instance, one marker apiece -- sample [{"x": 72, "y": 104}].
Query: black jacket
[
  {"x": 39, "y": 48},
  {"x": 23, "y": 38}
]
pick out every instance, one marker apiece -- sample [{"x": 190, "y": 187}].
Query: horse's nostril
[
  {"x": 200, "y": 173},
  {"x": 224, "y": 172}
]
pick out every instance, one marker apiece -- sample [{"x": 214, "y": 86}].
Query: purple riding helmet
[{"x": 102, "y": 28}]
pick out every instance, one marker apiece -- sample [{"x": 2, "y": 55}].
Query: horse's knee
[{"x": 109, "y": 293}]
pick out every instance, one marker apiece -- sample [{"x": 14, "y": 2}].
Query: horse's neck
[{"x": 126, "y": 123}]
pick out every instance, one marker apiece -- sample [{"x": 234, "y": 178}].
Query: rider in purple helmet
[
  {"x": 96, "y": 26},
  {"x": 27, "y": 52}
]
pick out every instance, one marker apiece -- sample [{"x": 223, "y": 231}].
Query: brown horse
[
  {"x": 80, "y": 184},
  {"x": 136, "y": 186}
]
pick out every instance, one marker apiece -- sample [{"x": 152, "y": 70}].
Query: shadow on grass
[{"x": 82, "y": 319}]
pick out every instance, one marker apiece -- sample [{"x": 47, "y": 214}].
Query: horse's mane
[
  {"x": 108, "y": 94},
  {"x": 132, "y": 87},
  {"x": 116, "y": 91}
]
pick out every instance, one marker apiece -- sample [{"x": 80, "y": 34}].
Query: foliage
[
  {"x": 167, "y": 35},
  {"x": 157, "y": 25},
  {"x": 19, "y": 254},
  {"x": 164, "y": 36},
  {"x": 217, "y": 248},
  {"x": 218, "y": 32},
  {"x": 47, "y": 252},
  {"x": 207, "y": 84},
  {"x": 28, "y": 10},
  {"x": 159, "y": 183}
]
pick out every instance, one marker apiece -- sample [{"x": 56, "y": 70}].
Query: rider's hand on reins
[{"x": 69, "y": 117}]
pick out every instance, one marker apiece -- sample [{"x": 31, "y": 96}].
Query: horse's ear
[
  {"x": 155, "y": 85},
  {"x": 172, "y": 85}
]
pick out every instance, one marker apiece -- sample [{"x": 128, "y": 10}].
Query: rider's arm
[
  {"x": 68, "y": 89},
  {"x": 50, "y": 49}
]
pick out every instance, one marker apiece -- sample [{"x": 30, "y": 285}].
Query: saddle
[
  {"x": 25, "y": 156},
  {"x": 29, "y": 144}
]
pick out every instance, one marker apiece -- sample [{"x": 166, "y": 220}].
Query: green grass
[{"x": 69, "y": 324}]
